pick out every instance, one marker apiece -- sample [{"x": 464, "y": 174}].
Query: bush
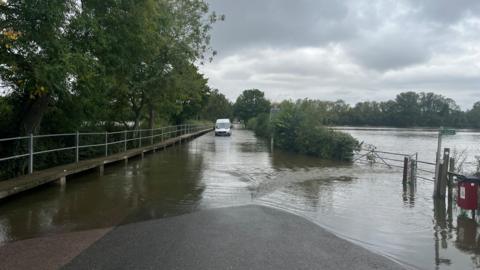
[
  {"x": 251, "y": 123},
  {"x": 260, "y": 125},
  {"x": 298, "y": 128}
]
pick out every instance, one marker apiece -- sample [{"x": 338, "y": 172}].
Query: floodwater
[
  {"x": 466, "y": 143},
  {"x": 363, "y": 204}
]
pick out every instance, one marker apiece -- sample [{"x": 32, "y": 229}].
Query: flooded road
[{"x": 362, "y": 204}]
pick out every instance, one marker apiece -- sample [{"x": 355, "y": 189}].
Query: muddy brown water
[{"x": 363, "y": 204}]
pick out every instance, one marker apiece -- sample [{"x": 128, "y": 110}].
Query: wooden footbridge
[{"x": 157, "y": 139}]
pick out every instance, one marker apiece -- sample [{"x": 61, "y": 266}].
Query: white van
[{"x": 223, "y": 127}]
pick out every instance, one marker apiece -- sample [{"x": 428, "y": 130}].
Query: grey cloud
[
  {"x": 446, "y": 11},
  {"x": 352, "y": 49},
  {"x": 390, "y": 49},
  {"x": 277, "y": 23}
]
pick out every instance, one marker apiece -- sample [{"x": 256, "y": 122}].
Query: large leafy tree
[
  {"x": 190, "y": 93},
  {"x": 218, "y": 106},
  {"x": 143, "y": 44},
  {"x": 407, "y": 109},
  {"x": 250, "y": 104},
  {"x": 35, "y": 59}
]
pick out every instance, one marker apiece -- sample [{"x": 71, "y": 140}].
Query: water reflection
[
  {"x": 463, "y": 235},
  {"x": 408, "y": 195},
  {"x": 468, "y": 239},
  {"x": 442, "y": 231},
  {"x": 159, "y": 193},
  {"x": 467, "y": 236},
  {"x": 143, "y": 189}
]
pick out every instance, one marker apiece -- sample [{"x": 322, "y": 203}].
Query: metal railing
[{"x": 123, "y": 140}]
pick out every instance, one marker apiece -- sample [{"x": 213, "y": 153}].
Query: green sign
[{"x": 447, "y": 131}]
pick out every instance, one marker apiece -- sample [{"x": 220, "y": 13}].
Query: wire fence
[
  {"x": 371, "y": 155},
  {"x": 26, "y": 154},
  {"x": 412, "y": 167}
]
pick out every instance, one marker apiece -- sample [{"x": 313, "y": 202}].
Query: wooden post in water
[
  {"x": 437, "y": 186},
  {"x": 446, "y": 163},
  {"x": 406, "y": 162},
  {"x": 413, "y": 172},
  {"x": 451, "y": 168},
  {"x": 442, "y": 175}
]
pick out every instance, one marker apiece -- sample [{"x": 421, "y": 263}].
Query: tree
[
  {"x": 190, "y": 92},
  {"x": 157, "y": 38},
  {"x": 218, "y": 106},
  {"x": 250, "y": 104},
  {"x": 339, "y": 113},
  {"x": 407, "y": 109},
  {"x": 367, "y": 113},
  {"x": 473, "y": 115},
  {"x": 436, "y": 110},
  {"x": 35, "y": 55},
  {"x": 112, "y": 54}
]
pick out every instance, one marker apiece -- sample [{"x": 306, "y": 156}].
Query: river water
[{"x": 361, "y": 203}]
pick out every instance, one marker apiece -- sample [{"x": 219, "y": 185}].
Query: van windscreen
[{"x": 223, "y": 125}]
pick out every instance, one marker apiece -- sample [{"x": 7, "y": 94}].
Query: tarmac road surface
[{"x": 246, "y": 237}]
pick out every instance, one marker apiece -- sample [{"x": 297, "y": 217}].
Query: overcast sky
[{"x": 350, "y": 49}]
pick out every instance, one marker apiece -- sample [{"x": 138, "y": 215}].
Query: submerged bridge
[{"x": 134, "y": 143}]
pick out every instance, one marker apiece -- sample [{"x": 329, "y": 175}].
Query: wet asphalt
[{"x": 245, "y": 237}]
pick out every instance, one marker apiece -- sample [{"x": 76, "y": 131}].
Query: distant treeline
[{"x": 408, "y": 109}]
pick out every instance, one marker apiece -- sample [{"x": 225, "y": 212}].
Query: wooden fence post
[
  {"x": 442, "y": 173},
  {"x": 439, "y": 183},
  {"x": 406, "y": 162},
  {"x": 413, "y": 172},
  {"x": 446, "y": 163},
  {"x": 450, "y": 178}
]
